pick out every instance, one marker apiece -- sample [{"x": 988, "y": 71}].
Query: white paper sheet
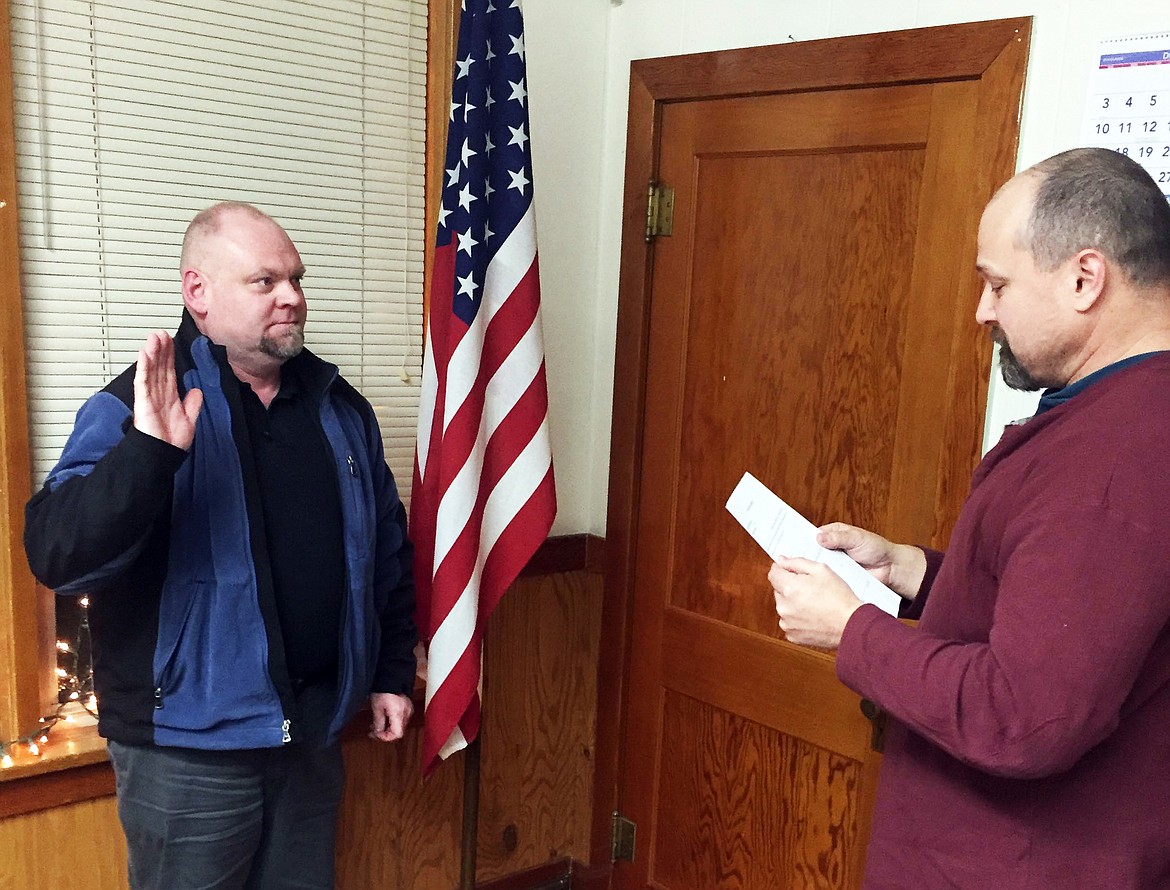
[{"x": 781, "y": 531}]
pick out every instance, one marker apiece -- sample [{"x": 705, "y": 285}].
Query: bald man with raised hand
[
  {"x": 1030, "y": 708},
  {"x": 226, "y": 505}
]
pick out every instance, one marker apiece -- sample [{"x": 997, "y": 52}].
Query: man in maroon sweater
[{"x": 1029, "y": 744}]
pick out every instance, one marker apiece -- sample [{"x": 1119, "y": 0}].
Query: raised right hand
[
  {"x": 901, "y": 567},
  {"x": 158, "y": 410}
]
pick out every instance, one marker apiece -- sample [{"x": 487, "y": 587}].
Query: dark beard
[{"x": 1014, "y": 374}]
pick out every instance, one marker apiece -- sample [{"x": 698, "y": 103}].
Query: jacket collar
[{"x": 314, "y": 373}]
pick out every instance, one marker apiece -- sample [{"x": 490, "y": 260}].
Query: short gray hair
[{"x": 1098, "y": 198}]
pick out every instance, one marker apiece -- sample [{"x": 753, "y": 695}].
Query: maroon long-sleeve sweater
[{"x": 1031, "y": 741}]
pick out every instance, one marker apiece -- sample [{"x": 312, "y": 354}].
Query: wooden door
[{"x": 810, "y": 320}]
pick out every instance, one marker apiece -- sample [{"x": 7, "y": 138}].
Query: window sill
[
  {"x": 68, "y": 747},
  {"x": 72, "y": 767}
]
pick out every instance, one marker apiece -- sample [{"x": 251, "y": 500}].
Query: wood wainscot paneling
[
  {"x": 396, "y": 830},
  {"x": 539, "y": 723},
  {"x": 77, "y": 845},
  {"x": 536, "y": 757},
  {"x": 58, "y": 818}
]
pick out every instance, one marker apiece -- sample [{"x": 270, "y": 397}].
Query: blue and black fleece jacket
[{"x": 169, "y": 546}]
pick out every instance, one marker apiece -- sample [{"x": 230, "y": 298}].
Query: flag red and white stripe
[{"x": 483, "y": 498}]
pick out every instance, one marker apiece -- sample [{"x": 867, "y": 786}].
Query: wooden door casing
[{"x": 759, "y": 788}]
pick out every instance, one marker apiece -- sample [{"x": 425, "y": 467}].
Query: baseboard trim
[
  {"x": 591, "y": 877},
  {"x": 567, "y": 553},
  {"x": 559, "y": 874},
  {"x": 555, "y": 875}
]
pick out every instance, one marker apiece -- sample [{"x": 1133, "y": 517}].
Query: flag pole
[
  {"x": 470, "y": 815},
  {"x": 470, "y": 833},
  {"x": 471, "y": 774}
]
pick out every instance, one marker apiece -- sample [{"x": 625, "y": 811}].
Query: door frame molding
[{"x": 995, "y": 52}]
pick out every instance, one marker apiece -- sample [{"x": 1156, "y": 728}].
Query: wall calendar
[{"x": 1127, "y": 107}]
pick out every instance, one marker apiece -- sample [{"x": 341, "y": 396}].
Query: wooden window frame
[{"x": 26, "y": 630}]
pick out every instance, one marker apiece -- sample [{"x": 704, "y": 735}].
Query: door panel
[
  {"x": 731, "y": 779},
  {"x": 810, "y": 320},
  {"x": 791, "y": 355}
]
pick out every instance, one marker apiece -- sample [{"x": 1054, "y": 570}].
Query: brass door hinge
[
  {"x": 622, "y": 839},
  {"x": 659, "y": 210}
]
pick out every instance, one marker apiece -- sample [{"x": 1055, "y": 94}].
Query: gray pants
[{"x": 229, "y": 820}]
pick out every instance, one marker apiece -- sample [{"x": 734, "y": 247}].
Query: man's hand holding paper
[
  {"x": 813, "y": 603},
  {"x": 820, "y": 577}
]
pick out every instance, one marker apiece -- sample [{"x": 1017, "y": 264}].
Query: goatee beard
[
  {"x": 1014, "y": 374},
  {"x": 286, "y": 347}
]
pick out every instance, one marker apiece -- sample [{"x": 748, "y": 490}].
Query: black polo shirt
[{"x": 302, "y": 522}]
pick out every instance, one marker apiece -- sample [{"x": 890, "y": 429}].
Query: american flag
[{"x": 483, "y": 498}]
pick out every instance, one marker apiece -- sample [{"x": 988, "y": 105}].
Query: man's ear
[
  {"x": 1090, "y": 272},
  {"x": 194, "y": 293}
]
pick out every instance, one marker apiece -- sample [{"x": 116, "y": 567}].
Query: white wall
[
  {"x": 579, "y": 53},
  {"x": 564, "y": 43}
]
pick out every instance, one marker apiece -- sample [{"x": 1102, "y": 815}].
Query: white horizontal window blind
[{"x": 133, "y": 115}]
